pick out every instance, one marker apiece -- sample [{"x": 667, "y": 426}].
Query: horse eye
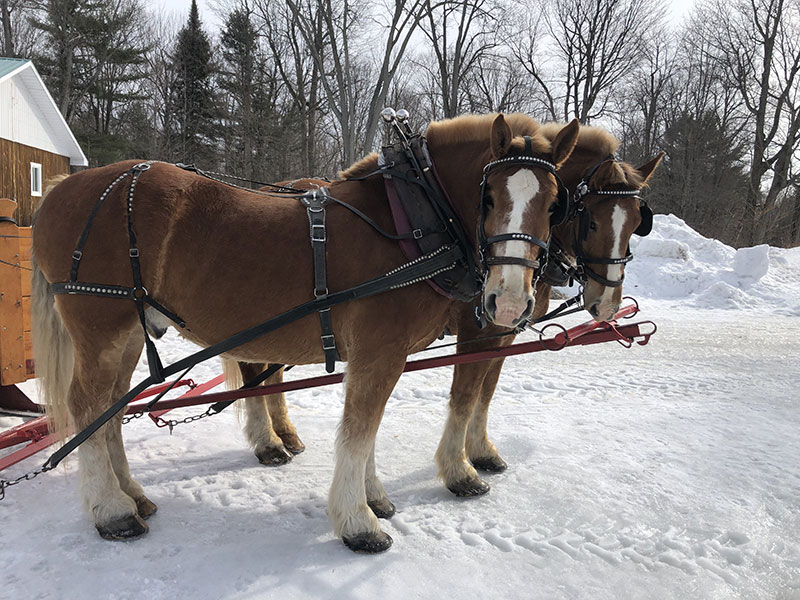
[
  {"x": 593, "y": 226},
  {"x": 552, "y": 208}
]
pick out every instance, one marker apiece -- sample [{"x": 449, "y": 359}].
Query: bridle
[
  {"x": 559, "y": 212},
  {"x": 581, "y": 210}
]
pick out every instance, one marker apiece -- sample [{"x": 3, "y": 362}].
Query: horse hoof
[
  {"x": 125, "y": 528},
  {"x": 292, "y": 443},
  {"x": 469, "y": 488},
  {"x": 145, "y": 508},
  {"x": 490, "y": 464},
  {"x": 273, "y": 456},
  {"x": 383, "y": 508},
  {"x": 369, "y": 543}
]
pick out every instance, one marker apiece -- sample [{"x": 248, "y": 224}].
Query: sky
[{"x": 180, "y": 8}]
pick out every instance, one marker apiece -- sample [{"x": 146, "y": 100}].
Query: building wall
[
  {"x": 21, "y": 119},
  {"x": 15, "y": 174}
]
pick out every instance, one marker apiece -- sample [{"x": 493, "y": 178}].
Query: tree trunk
[{"x": 8, "y": 40}]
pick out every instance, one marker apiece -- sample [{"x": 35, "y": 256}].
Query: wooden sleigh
[{"x": 16, "y": 348}]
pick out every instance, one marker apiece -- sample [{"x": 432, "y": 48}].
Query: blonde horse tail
[
  {"x": 52, "y": 350},
  {"x": 233, "y": 381}
]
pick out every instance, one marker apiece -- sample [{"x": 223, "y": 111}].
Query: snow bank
[{"x": 675, "y": 263}]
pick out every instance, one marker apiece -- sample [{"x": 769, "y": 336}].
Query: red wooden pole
[{"x": 582, "y": 335}]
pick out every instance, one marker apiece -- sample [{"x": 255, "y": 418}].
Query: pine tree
[
  {"x": 238, "y": 79},
  {"x": 193, "y": 103}
]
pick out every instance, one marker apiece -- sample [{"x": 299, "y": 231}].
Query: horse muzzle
[{"x": 507, "y": 310}]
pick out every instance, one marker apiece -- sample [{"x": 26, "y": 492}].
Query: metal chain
[
  {"x": 6, "y": 483},
  {"x": 128, "y": 418},
  {"x": 171, "y": 423}
]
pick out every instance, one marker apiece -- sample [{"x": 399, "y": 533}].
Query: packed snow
[{"x": 665, "y": 471}]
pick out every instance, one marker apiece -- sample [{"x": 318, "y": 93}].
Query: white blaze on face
[
  {"x": 522, "y": 188},
  {"x": 507, "y": 283},
  {"x": 618, "y": 218}
]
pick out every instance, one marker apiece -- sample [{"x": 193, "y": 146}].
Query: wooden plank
[
  {"x": 25, "y": 282},
  {"x": 12, "y": 321},
  {"x": 26, "y": 313},
  {"x": 27, "y": 338},
  {"x": 12, "y": 345}
]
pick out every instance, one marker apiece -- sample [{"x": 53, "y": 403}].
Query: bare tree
[
  {"x": 461, "y": 34},
  {"x": 757, "y": 43},
  {"x": 593, "y": 46},
  {"x": 331, "y": 29},
  {"x": 300, "y": 75}
]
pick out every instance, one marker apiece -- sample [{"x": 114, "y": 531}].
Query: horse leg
[
  {"x": 370, "y": 380},
  {"x": 113, "y": 511},
  {"x": 116, "y": 450},
  {"x": 480, "y": 450},
  {"x": 279, "y": 414},
  {"x": 377, "y": 499},
  {"x": 458, "y": 474},
  {"x": 258, "y": 429}
]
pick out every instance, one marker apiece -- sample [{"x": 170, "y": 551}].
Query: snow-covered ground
[{"x": 665, "y": 471}]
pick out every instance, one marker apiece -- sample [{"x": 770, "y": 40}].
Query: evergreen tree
[
  {"x": 238, "y": 79},
  {"x": 192, "y": 102},
  {"x": 703, "y": 177}
]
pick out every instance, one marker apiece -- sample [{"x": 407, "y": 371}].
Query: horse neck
[{"x": 460, "y": 168}]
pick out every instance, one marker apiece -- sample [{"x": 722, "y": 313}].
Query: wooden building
[
  {"x": 35, "y": 140},
  {"x": 35, "y": 144}
]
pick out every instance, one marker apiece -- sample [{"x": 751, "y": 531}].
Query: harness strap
[
  {"x": 314, "y": 202},
  {"x": 78, "y": 253},
  {"x": 139, "y": 291},
  {"x": 105, "y": 290},
  {"x": 511, "y": 260},
  {"x": 421, "y": 268}
]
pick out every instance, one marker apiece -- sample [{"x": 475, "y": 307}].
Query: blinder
[
  {"x": 646, "y": 226},
  {"x": 560, "y": 210}
]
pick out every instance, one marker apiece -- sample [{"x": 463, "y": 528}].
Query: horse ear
[
  {"x": 646, "y": 170},
  {"x": 501, "y": 137},
  {"x": 564, "y": 142}
]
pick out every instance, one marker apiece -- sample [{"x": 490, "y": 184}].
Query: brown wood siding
[{"x": 15, "y": 174}]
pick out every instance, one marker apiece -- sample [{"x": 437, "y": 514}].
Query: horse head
[
  {"x": 609, "y": 211},
  {"x": 520, "y": 197}
]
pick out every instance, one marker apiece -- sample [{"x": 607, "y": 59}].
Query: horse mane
[
  {"x": 476, "y": 128},
  {"x": 362, "y": 167},
  {"x": 596, "y": 140},
  {"x": 590, "y": 138}
]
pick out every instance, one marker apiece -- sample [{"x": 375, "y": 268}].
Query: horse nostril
[
  {"x": 593, "y": 309},
  {"x": 490, "y": 304},
  {"x": 529, "y": 309}
]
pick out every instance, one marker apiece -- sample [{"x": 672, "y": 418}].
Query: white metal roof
[{"x": 24, "y": 74}]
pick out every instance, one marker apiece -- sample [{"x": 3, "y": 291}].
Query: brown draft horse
[
  {"x": 465, "y": 444},
  {"x": 225, "y": 260}
]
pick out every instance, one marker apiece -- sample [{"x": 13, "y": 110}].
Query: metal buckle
[
  {"x": 141, "y": 167},
  {"x": 316, "y": 226},
  {"x": 77, "y": 255},
  {"x": 325, "y": 340},
  {"x": 417, "y": 234},
  {"x": 133, "y": 253},
  {"x": 318, "y": 295}
]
